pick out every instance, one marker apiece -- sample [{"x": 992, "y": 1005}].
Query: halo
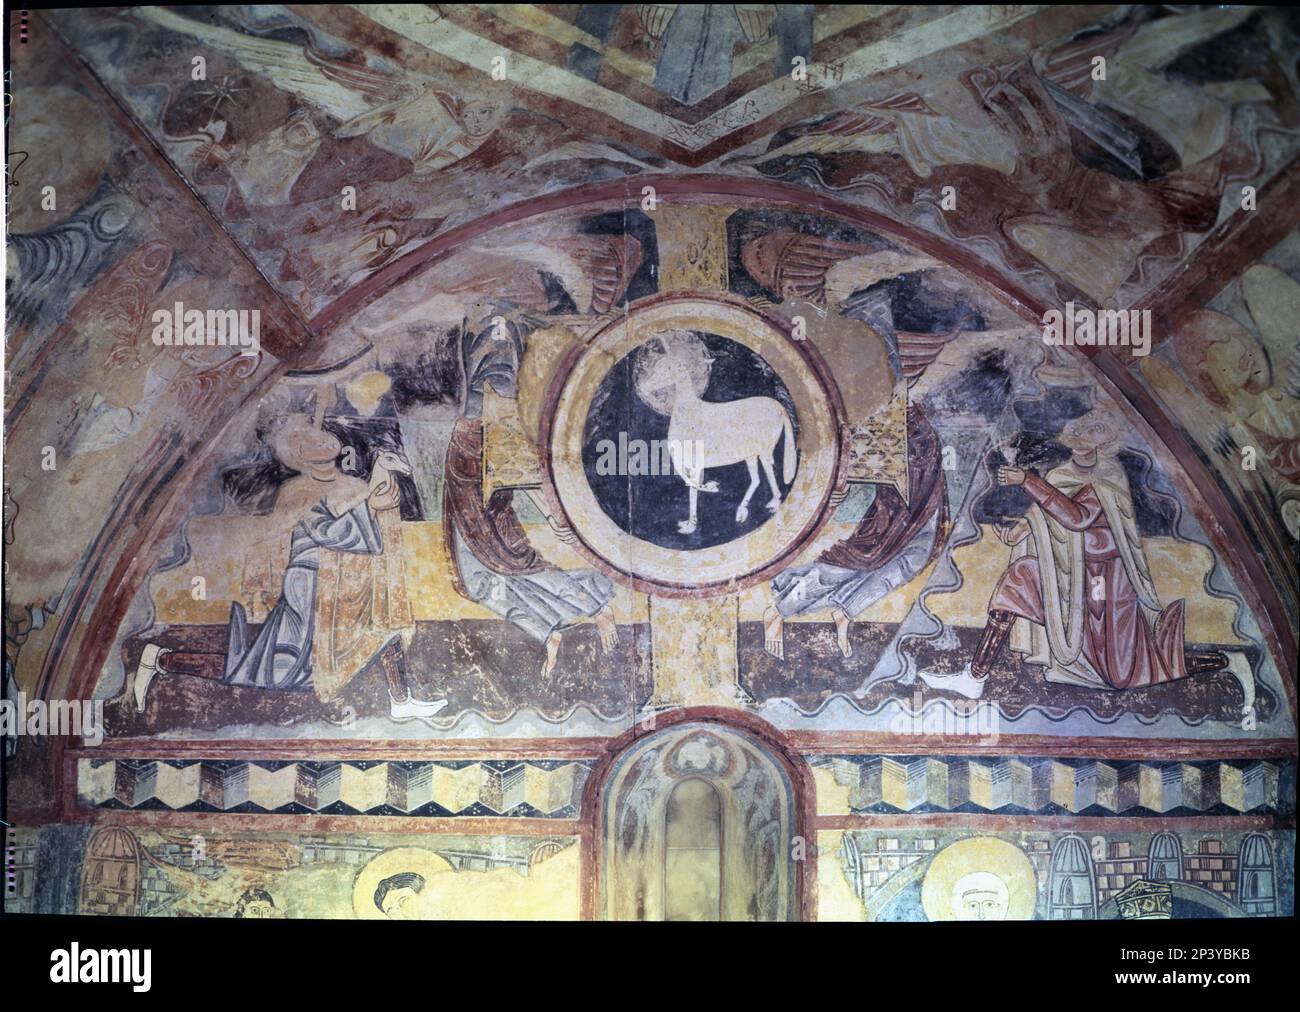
[
  {"x": 684, "y": 344},
  {"x": 424, "y": 863},
  {"x": 987, "y": 854},
  {"x": 367, "y": 389}
]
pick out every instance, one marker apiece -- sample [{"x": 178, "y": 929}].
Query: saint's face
[
  {"x": 399, "y": 905},
  {"x": 311, "y": 449},
  {"x": 1087, "y": 434},
  {"x": 980, "y": 896},
  {"x": 260, "y": 910},
  {"x": 983, "y": 905}
]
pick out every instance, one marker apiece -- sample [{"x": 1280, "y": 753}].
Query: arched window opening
[{"x": 693, "y": 853}]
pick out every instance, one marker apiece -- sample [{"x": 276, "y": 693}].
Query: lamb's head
[{"x": 669, "y": 364}]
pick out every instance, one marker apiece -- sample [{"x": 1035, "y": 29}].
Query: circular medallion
[{"x": 692, "y": 446}]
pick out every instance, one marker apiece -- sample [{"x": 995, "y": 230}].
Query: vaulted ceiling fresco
[{"x": 658, "y": 462}]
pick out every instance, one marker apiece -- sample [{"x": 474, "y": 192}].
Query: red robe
[
  {"x": 1119, "y": 642},
  {"x": 491, "y": 531}
]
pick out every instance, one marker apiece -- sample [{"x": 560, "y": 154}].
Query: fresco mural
[
  {"x": 1039, "y": 876},
  {"x": 160, "y": 873},
  {"x": 1227, "y": 375},
  {"x": 652, "y": 453},
  {"x": 600, "y": 494}
]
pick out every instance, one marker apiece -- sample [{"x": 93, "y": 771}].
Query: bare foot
[
  {"x": 774, "y": 633},
  {"x": 607, "y": 628},
  {"x": 842, "y": 631},
  {"x": 552, "y": 653}
]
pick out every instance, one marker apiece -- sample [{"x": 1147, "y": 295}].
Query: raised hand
[
  {"x": 562, "y": 532},
  {"x": 384, "y": 495}
]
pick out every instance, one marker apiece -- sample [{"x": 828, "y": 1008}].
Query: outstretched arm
[{"x": 1073, "y": 514}]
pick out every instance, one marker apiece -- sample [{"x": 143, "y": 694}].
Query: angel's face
[
  {"x": 481, "y": 118},
  {"x": 1233, "y": 365},
  {"x": 301, "y": 132}
]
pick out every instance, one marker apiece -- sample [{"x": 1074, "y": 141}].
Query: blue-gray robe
[
  {"x": 538, "y": 603},
  {"x": 820, "y": 585}
]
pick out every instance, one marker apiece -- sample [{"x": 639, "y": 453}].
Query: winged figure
[{"x": 402, "y": 113}]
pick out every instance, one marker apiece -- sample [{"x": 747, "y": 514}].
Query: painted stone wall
[{"x": 656, "y": 462}]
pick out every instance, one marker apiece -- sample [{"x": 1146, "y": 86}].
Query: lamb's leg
[
  {"x": 742, "y": 511},
  {"x": 694, "y": 478},
  {"x": 688, "y": 526},
  {"x": 775, "y": 501}
]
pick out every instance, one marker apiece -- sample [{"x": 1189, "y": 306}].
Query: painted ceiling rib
[{"x": 140, "y": 137}]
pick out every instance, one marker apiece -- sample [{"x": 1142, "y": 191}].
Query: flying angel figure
[
  {"x": 1241, "y": 397},
  {"x": 401, "y": 113}
]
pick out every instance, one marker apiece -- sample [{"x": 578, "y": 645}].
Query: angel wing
[
  {"x": 861, "y": 272},
  {"x": 794, "y": 265},
  {"x": 609, "y": 261},
  {"x": 1070, "y": 67},
  {"x": 1159, "y": 42},
  {"x": 1197, "y": 417},
  {"x": 343, "y": 90},
  {"x": 917, "y": 350},
  {"x": 867, "y": 128},
  {"x": 846, "y": 131},
  {"x": 528, "y": 259},
  {"x": 590, "y": 151}
]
